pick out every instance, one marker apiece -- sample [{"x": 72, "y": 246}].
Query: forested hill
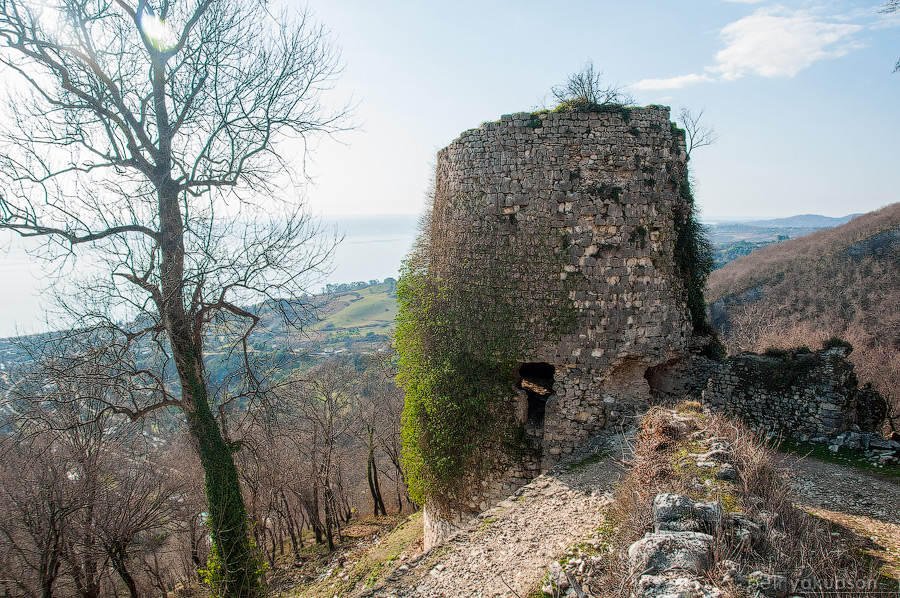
[
  {"x": 870, "y": 235},
  {"x": 842, "y": 281}
]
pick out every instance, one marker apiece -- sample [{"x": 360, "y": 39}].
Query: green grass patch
[
  {"x": 606, "y": 532},
  {"x": 379, "y": 560},
  {"x": 713, "y": 490},
  {"x": 373, "y": 566},
  {"x": 844, "y": 456},
  {"x": 589, "y": 460},
  {"x": 486, "y": 523},
  {"x": 364, "y": 308}
]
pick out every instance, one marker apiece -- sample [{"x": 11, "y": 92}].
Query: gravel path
[
  {"x": 862, "y": 504},
  {"x": 505, "y": 550}
]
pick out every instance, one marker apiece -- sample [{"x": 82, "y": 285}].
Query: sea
[{"x": 370, "y": 248}]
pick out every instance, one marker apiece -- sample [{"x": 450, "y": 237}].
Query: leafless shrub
[{"x": 586, "y": 89}]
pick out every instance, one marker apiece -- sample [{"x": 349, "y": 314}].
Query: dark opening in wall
[
  {"x": 653, "y": 376},
  {"x": 537, "y": 382},
  {"x": 511, "y": 223}
]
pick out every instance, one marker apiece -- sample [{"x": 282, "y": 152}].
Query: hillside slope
[{"x": 842, "y": 281}]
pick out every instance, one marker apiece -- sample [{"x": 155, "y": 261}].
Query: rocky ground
[
  {"x": 506, "y": 549},
  {"x": 860, "y": 504},
  {"x": 509, "y": 549}
]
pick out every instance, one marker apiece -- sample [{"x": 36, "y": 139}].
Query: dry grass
[
  {"x": 795, "y": 543},
  {"x": 790, "y": 542},
  {"x": 630, "y": 516}
]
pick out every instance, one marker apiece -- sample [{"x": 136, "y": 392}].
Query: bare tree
[
  {"x": 94, "y": 503},
  {"x": 143, "y": 139},
  {"x": 35, "y": 505},
  {"x": 586, "y": 89},
  {"x": 698, "y": 134},
  {"x": 380, "y": 406},
  {"x": 324, "y": 399}
]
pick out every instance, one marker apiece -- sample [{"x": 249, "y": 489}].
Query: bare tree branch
[
  {"x": 698, "y": 134},
  {"x": 889, "y": 7}
]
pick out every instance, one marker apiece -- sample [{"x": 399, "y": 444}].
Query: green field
[{"x": 370, "y": 309}]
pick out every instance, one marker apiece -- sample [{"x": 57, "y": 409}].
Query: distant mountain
[
  {"x": 803, "y": 221},
  {"x": 734, "y": 239},
  {"x": 842, "y": 281}
]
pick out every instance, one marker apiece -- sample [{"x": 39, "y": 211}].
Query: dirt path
[
  {"x": 506, "y": 549},
  {"x": 858, "y": 503}
]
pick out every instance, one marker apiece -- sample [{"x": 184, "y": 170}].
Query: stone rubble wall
[
  {"x": 684, "y": 377},
  {"x": 811, "y": 396}
]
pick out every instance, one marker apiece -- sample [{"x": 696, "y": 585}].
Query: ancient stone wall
[
  {"x": 563, "y": 226},
  {"x": 552, "y": 242},
  {"x": 805, "y": 395}
]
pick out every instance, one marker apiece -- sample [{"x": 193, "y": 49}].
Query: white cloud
[
  {"x": 776, "y": 42},
  {"x": 671, "y": 82},
  {"x": 772, "y": 42}
]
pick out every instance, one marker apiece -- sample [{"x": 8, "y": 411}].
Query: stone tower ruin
[
  {"x": 572, "y": 221},
  {"x": 564, "y": 260}
]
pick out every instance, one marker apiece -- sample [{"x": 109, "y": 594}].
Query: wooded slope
[{"x": 843, "y": 281}]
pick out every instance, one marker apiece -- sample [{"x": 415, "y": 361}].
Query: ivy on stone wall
[
  {"x": 460, "y": 336},
  {"x": 693, "y": 254},
  {"x": 456, "y": 359}
]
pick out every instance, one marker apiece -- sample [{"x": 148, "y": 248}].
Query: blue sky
[{"x": 802, "y": 94}]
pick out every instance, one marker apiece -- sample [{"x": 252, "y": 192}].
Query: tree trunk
[
  {"x": 330, "y": 520},
  {"x": 119, "y": 556},
  {"x": 290, "y": 523},
  {"x": 374, "y": 489},
  {"x": 196, "y": 538},
  {"x": 238, "y": 575},
  {"x": 311, "y": 504},
  {"x": 399, "y": 480},
  {"x": 49, "y": 567}
]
